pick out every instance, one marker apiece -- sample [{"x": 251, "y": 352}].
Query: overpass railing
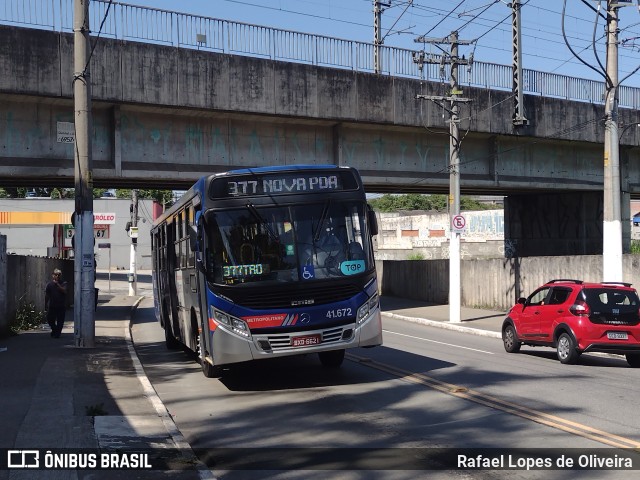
[{"x": 165, "y": 27}]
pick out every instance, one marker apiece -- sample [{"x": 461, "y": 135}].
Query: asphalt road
[{"x": 425, "y": 388}]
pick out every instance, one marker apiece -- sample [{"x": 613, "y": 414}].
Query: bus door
[
  {"x": 172, "y": 266},
  {"x": 187, "y": 279},
  {"x": 201, "y": 251}
]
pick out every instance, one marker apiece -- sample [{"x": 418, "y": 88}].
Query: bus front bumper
[{"x": 231, "y": 348}]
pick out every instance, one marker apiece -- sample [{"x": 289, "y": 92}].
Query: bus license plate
[
  {"x": 305, "y": 340},
  {"x": 617, "y": 335}
]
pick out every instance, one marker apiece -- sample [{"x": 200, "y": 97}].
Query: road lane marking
[
  {"x": 536, "y": 416},
  {"x": 441, "y": 343}
]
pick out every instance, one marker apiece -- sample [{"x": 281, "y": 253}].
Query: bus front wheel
[
  {"x": 210, "y": 371},
  {"x": 331, "y": 359}
]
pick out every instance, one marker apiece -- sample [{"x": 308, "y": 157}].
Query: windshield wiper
[
  {"x": 256, "y": 214},
  {"x": 323, "y": 217}
]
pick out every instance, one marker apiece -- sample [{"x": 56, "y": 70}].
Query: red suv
[{"x": 576, "y": 317}]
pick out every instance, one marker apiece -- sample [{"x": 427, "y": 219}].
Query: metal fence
[{"x": 164, "y": 27}]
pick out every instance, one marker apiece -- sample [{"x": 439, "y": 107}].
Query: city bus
[{"x": 268, "y": 262}]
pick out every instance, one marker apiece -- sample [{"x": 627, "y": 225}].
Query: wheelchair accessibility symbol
[{"x": 307, "y": 272}]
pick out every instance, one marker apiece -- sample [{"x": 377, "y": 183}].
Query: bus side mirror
[
  {"x": 373, "y": 221},
  {"x": 196, "y": 239}
]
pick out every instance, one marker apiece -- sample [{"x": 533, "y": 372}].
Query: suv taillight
[{"x": 580, "y": 308}]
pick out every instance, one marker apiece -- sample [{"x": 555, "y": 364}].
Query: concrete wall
[
  {"x": 23, "y": 280},
  {"x": 40, "y": 62},
  {"x": 556, "y": 223},
  {"x": 492, "y": 283},
  {"x": 169, "y": 115},
  {"x": 427, "y": 234}
]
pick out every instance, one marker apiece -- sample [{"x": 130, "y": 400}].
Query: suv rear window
[
  {"x": 608, "y": 298},
  {"x": 612, "y": 306}
]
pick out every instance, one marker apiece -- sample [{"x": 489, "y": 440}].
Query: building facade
[{"x": 41, "y": 227}]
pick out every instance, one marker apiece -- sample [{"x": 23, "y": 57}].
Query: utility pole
[
  {"x": 377, "y": 33},
  {"x": 84, "y": 260},
  {"x": 612, "y": 226},
  {"x": 519, "y": 118},
  {"x": 454, "y": 162},
  {"x": 133, "y": 233}
]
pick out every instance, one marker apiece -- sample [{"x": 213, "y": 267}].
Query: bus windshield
[{"x": 287, "y": 243}]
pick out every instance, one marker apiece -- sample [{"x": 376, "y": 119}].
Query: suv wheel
[
  {"x": 633, "y": 359},
  {"x": 567, "y": 352},
  {"x": 510, "y": 340}
]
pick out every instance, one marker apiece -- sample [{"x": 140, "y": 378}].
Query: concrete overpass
[{"x": 163, "y": 116}]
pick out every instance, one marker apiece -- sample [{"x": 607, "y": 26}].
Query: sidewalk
[
  {"x": 476, "y": 321},
  {"x": 57, "y": 396}
]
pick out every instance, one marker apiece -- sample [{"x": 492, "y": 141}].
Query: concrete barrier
[
  {"x": 492, "y": 283},
  {"x": 23, "y": 280}
]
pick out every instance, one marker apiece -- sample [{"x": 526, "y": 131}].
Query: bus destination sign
[{"x": 282, "y": 184}]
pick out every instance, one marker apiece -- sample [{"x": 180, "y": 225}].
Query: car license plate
[
  {"x": 305, "y": 340},
  {"x": 617, "y": 335}
]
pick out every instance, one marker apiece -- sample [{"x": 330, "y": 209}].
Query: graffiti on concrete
[{"x": 510, "y": 248}]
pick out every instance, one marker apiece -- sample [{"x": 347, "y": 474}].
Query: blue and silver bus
[{"x": 268, "y": 262}]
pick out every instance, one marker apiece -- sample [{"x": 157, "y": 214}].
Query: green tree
[
  {"x": 163, "y": 197},
  {"x": 416, "y": 201}
]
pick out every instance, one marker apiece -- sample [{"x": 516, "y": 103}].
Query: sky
[{"x": 488, "y": 22}]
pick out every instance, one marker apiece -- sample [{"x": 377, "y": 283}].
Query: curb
[
  {"x": 172, "y": 429},
  {"x": 445, "y": 325}
]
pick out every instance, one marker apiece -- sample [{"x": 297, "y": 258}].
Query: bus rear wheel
[
  {"x": 331, "y": 359},
  {"x": 169, "y": 340}
]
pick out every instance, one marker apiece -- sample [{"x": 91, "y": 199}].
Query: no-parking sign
[{"x": 458, "y": 224}]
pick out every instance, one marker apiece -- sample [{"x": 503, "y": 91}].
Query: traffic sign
[{"x": 458, "y": 224}]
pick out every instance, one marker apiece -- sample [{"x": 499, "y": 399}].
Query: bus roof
[{"x": 278, "y": 168}]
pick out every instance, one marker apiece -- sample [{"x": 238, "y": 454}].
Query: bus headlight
[
  {"x": 374, "y": 301},
  {"x": 367, "y": 307},
  {"x": 228, "y": 322},
  {"x": 239, "y": 326},
  {"x": 363, "y": 311}
]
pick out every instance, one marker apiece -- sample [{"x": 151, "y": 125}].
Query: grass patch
[{"x": 28, "y": 317}]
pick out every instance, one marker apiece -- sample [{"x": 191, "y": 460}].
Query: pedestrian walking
[{"x": 55, "y": 302}]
